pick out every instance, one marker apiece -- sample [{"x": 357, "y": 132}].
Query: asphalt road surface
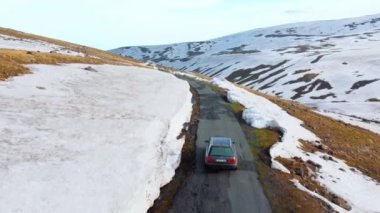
[{"x": 221, "y": 191}]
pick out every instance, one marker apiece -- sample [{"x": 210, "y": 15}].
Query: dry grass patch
[
  {"x": 8, "y": 69},
  {"x": 11, "y": 61},
  {"x": 284, "y": 196},
  {"x": 88, "y": 51},
  {"x": 359, "y": 147},
  {"x": 201, "y": 76},
  {"x": 281, "y": 193},
  {"x": 28, "y": 57},
  {"x": 305, "y": 173}
]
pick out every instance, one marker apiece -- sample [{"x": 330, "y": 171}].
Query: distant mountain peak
[{"x": 316, "y": 63}]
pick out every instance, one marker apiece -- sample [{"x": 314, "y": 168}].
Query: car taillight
[
  {"x": 232, "y": 160},
  {"x": 210, "y": 160}
]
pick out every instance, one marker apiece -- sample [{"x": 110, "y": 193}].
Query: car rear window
[{"x": 221, "y": 151}]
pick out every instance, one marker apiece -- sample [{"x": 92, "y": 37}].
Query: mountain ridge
[
  {"x": 254, "y": 29},
  {"x": 331, "y": 65}
]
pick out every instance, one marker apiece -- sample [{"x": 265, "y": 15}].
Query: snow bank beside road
[
  {"x": 262, "y": 113},
  {"x": 81, "y": 141},
  {"x": 361, "y": 192}
]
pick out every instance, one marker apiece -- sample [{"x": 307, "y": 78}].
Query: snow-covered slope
[
  {"x": 363, "y": 193},
  {"x": 332, "y": 65},
  {"x": 76, "y": 140},
  {"x": 11, "y": 42},
  {"x": 84, "y": 137}
]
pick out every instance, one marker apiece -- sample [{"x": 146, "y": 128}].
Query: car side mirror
[{"x": 207, "y": 141}]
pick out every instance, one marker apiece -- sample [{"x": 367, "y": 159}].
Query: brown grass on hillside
[
  {"x": 305, "y": 173},
  {"x": 284, "y": 196},
  {"x": 359, "y": 147},
  {"x": 202, "y": 76},
  {"x": 281, "y": 193},
  {"x": 28, "y": 57},
  {"x": 89, "y": 51},
  {"x": 11, "y": 61},
  {"x": 8, "y": 69}
]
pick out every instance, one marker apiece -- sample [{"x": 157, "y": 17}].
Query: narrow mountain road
[{"x": 220, "y": 191}]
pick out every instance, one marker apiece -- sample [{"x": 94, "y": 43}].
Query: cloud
[
  {"x": 293, "y": 11},
  {"x": 173, "y": 4},
  {"x": 188, "y": 4}
]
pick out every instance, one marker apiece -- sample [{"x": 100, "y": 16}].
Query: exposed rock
[
  {"x": 89, "y": 68},
  {"x": 314, "y": 164},
  {"x": 373, "y": 100},
  {"x": 363, "y": 83},
  {"x": 317, "y": 59},
  {"x": 322, "y": 147},
  {"x": 305, "y": 78},
  {"x": 41, "y": 88},
  {"x": 340, "y": 202},
  {"x": 317, "y": 84},
  {"x": 327, "y": 157}
]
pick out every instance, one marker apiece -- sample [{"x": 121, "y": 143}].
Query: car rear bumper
[{"x": 220, "y": 166}]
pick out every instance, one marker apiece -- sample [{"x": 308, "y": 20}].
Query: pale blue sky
[{"x": 107, "y": 24}]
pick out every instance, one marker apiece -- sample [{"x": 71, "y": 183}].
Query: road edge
[{"x": 187, "y": 164}]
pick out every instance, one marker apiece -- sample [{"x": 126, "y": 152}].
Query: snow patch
[
  {"x": 79, "y": 141},
  {"x": 372, "y": 126},
  {"x": 10, "y": 42}
]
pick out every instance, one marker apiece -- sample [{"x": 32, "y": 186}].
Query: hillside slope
[
  {"x": 75, "y": 126},
  {"x": 19, "y": 48},
  {"x": 330, "y": 65}
]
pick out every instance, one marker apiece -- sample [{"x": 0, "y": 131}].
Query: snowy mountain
[{"x": 331, "y": 65}]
